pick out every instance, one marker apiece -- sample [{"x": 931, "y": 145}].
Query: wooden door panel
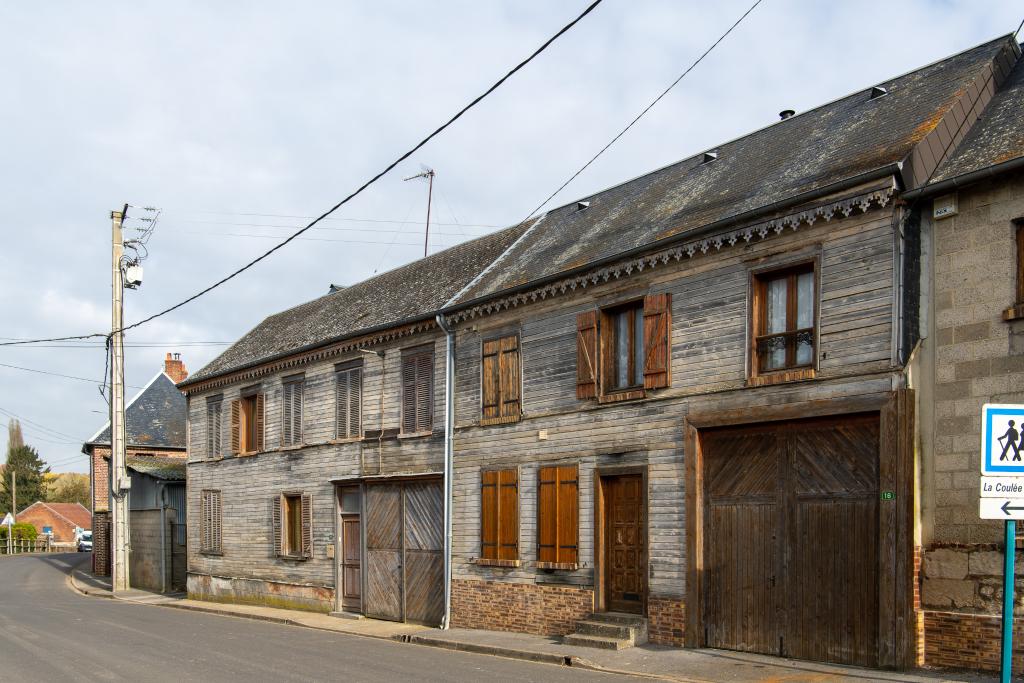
[
  {"x": 351, "y": 571},
  {"x": 383, "y": 590},
  {"x": 626, "y": 544},
  {"x": 424, "y": 563}
]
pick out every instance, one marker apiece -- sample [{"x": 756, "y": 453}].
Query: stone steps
[{"x": 609, "y": 631}]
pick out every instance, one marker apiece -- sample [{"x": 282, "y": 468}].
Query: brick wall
[
  {"x": 101, "y": 471},
  {"x": 971, "y": 641},
  {"x": 666, "y": 620},
  {"x": 519, "y": 607},
  {"x": 101, "y": 543}
]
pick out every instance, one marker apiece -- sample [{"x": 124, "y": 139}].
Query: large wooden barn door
[
  {"x": 404, "y": 552},
  {"x": 791, "y": 539}
]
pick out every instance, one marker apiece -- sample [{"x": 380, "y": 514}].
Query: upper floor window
[
  {"x": 291, "y": 411},
  {"x": 624, "y": 349},
  {"x": 214, "y": 426},
  {"x": 783, "y": 319},
  {"x": 348, "y": 391},
  {"x": 500, "y": 381},
  {"x": 1016, "y": 311},
  {"x": 418, "y": 390},
  {"x": 247, "y": 423}
]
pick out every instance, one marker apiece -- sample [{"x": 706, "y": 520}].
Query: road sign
[
  {"x": 1002, "y": 445},
  {"x": 1002, "y": 508},
  {"x": 1002, "y": 487},
  {"x": 8, "y": 520}
]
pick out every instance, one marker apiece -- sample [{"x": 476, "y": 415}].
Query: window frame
[
  {"x": 289, "y": 385},
  {"x": 560, "y": 562},
  {"x": 1016, "y": 311},
  {"x": 215, "y": 404},
  {"x": 757, "y": 321},
  {"x": 211, "y": 508},
  {"x": 412, "y": 355},
  {"x": 350, "y": 368},
  {"x": 608, "y": 341},
  {"x": 501, "y": 398},
  {"x": 496, "y": 560}
]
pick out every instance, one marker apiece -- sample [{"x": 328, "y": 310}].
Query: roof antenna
[{"x": 427, "y": 173}]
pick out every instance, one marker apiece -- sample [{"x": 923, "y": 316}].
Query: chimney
[{"x": 175, "y": 368}]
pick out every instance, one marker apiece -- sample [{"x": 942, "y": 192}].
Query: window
[
  {"x": 624, "y": 350},
  {"x": 291, "y": 411},
  {"x": 214, "y": 433},
  {"x": 293, "y": 525},
  {"x": 348, "y": 392},
  {"x": 210, "y": 522},
  {"x": 417, "y": 391},
  {"x": 557, "y": 517},
  {"x": 1016, "y": 311},
  {"x": 499, "y": 516},
  {"x": 784, "y": 320},
  {"x": 500, "y": 381},
  {"x": 247, "y": 423}
]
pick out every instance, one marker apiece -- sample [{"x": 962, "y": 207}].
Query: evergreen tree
[{"x": 28, "y": 469}]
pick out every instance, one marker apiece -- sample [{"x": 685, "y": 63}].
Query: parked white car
[{"x": 85, "y": 542}]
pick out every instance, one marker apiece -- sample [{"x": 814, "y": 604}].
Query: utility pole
[
  {"x": 118, "y": 475},
  {"x": 427, "y": 173},
  {"x": 14, "y": 514}
]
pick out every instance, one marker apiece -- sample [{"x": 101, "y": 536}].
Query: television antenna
[{"x": 427, "y": 173}]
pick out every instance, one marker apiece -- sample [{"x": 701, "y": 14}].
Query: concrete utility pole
[{"x": 119, "y": 481}]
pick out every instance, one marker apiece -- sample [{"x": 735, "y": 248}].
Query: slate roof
[
  {"x": 415, "y": 291},
  {"x": 154, "y": 418},
  {"x": 849, "y": 137},
  {"x": 997, "y": 136},
  {"x": 158, "y": 466}
]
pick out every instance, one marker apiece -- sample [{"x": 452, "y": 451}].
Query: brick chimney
[{"x": 175, "y": 368}]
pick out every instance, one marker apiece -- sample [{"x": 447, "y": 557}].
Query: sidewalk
[{"x": 648, "y": 661}]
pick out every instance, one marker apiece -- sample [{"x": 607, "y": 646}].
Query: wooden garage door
[
  {"x": 404, "y": 552},
  {"x": 791, "y": 539}
]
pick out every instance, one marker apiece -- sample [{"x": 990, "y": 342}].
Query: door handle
[{"x": 771, "y": 582}]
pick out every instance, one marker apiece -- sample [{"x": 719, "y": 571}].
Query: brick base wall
[
  {"x": 666, "y": 620},
  {"x": 259, "y": 592},
  {"x": 101, "y": 543},
  {"x": 519, "y": 607},
  {"x": 968, "y": 641}
]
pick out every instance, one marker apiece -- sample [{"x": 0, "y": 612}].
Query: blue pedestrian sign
[{"x": 1002, "y": 439}]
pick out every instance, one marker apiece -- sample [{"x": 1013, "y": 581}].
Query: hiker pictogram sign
[{"x": 1002, "y": 439}]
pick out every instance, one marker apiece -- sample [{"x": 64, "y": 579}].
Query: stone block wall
[
  {"x": 258, "y": 592},
  {"x": 149, "y": 563}
]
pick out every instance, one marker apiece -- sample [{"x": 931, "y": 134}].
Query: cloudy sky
[{"x": 240, "y": 119}]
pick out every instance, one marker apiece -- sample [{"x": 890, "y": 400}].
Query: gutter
[
  {"x": 449, "y": 424},
  {"x": 888, "y": 170},
  {"x": 965, "y": 179}
]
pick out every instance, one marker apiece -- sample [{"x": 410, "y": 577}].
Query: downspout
[
  {"x": 163, "y": 537},
  {"x": 449, "y": 424}
]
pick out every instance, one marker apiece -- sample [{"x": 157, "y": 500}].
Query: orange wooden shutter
[
  {"x": 568, "y": 513},
  {"x": 277, "y": 515},
  {"x": 508, "y": 514},
  {"x": 307, "y": 525},
  {"x": 490, "y": 380},
  {"x": 586, "y": 354},
  {"x": 489, "y": 515},
  {"x": 259, "y": 421},
  {"x": 236, "y": 426},
  {"x": 547, "y": 514},
  {"x": 657, "y": 341},
  {"x": 509, "y": 380}
]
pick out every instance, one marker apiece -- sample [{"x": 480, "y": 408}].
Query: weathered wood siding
[
  {"x": 709, "y": 369},
  {"x": 249, "y": 483}
]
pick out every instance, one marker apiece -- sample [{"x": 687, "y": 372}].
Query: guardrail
[{"x": 21, "y": 546}]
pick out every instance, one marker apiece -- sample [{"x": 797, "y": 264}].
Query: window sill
[
  {"x": 416, "y": 435},
  {"x": 488, "y": 562},
  {"x": 508, "y": 419},
  {"x": 212, "y": 553},
  {"x": 623, "y": 395},
  {"x": 1015, "y": 312},
  {"x": 350, "y": 439},
  {"x": 781, "y": 377},
  {"x": 293, "y": 558},
  {"x": 564, "y": 566},
  {"x": 293, "y": 447}
]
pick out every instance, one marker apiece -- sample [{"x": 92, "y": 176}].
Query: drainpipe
[
  {"x": 163, "y": 538},
  {"x": 449, "y": 423}
]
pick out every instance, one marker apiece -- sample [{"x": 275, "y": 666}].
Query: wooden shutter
[
  {"x": 206, "y": 522},
  {"x": 216, "y": 516},
  {"x": 425, "y": 392},
  {"x": 307, "y": 525},
  {"x": 490, "y": 384},
  {"x": 489, "y": 515},
  {"x": 287, "y": 395},
  {"x": 277, "y": 517},
  {"x": 259, "y": 421},
  {"x": 355, "y": 401},
  {"x": 586, "y": 354},
  {"x": 508, "y": 365},
  {"x": 408, "y": 395},
  {"x": 236, "y": 426},
  {"x": 341, "y": 394},
  {"x": 508, "y": 514},
  {"x": 657, "y": 341},
  {"x": 557, "y": 514}
]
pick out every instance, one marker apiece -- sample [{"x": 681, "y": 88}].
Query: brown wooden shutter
[
  {"x": 657, "y": 341},
  {"x": 509, "y": 364},
  {"x": 216, "y": 537},
  {"x": 307, "y": 525},
  {"x": 547, "y": 514},
  {"x": 259, "y": 421},
  {"x": 341, "y": 393},
  {"x": 206, "y": 522},
  {"x": 508, "y": 514},
  {"x": 355, "y": 402},
  {"x": 425, "y": 393},
  {"x": 408, "y": 395},
  {"x": 277, "y": 515},
  {"x": 490, "y": 384},
  {"x": 489, "y": 515},
  {"x": 586, "y": 354},
  {"x": 568, "y": 513},
  {"x": 558, "y": 514},
  {"x": 287, "y": 396},
  {"x": 236, "y": 426}
]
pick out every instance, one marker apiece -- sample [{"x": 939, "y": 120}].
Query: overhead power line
[
  {"x": 57, "y": 374},
  {"x": 38, "y": 425}
]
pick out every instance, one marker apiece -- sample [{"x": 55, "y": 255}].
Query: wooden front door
[
  {"x": 351, "y": 564},
  {"x": 625, "y": 560},
  {"x": 404, "y": 552},
  {"x": 791, "y": 537}
]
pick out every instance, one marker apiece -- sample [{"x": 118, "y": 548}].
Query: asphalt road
[{"x": 48, "y": 632}]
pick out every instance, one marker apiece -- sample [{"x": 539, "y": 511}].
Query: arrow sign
[{"x": 1002, "y": 508}]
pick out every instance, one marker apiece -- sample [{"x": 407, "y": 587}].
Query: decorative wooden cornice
[
  {"x": 312, "y": 356},
  {"x": 862, "y": 202}
]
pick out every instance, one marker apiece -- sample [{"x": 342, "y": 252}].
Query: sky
[{"x": 240, "y": 120}]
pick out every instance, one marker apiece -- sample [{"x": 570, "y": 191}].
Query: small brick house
[
  {"x": 155, "y": 425},
  {"x": 62, "y": 519}
]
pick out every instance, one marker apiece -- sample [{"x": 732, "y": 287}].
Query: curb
[{"x": 508, "y": 653}]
